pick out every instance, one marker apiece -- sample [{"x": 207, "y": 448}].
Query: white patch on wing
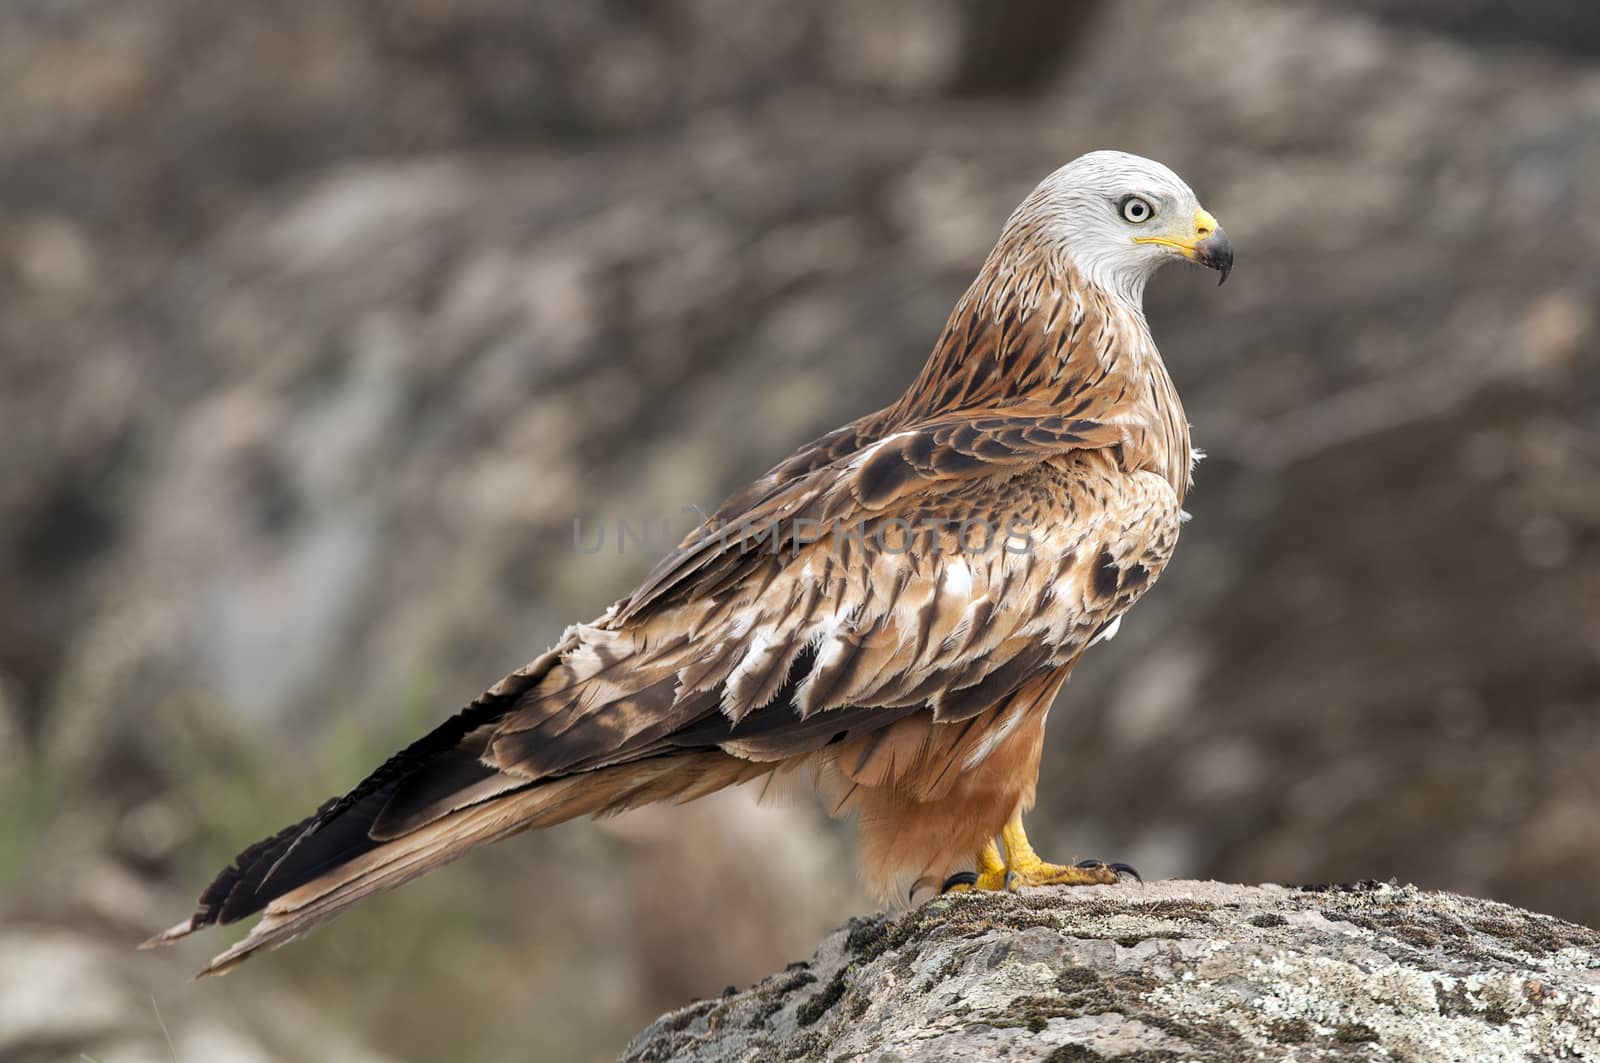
[
  {"x": 866, "y": 455},
  {"x": 957, "y": 578},
  {"x": 759, "y": 643},
  {"x": 830, "y": 650},
  {"x": 1107, "y": 633},
  {"x": 992, "y": 740}
]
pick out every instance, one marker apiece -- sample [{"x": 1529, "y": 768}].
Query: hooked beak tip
[{"x": 1216, "y": 252}]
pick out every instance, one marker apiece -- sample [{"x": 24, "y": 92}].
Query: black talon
[
  {"x": 1120, "y": 869},
  {"x": 960, "y": 878}
]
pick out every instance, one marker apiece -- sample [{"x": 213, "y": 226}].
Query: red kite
[{"x": 893, "y": 608}]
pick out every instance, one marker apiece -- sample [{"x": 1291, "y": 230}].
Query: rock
[{"x": 1192, "y": 971}]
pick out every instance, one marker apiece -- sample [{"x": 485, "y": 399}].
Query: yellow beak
[{"x": 1206, "y": 245}]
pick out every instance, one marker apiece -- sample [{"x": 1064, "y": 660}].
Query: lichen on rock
[{"x": 1170, "y": 971}]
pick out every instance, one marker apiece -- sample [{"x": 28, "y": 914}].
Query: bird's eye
[{"x": 1136, "y": 209}]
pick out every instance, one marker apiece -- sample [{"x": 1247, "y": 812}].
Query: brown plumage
[{"x": 892, "y": 609}]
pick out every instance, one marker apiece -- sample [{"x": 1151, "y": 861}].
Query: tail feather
[
  {"x": 343, "y": 826},
  {"x": 457, "y": 788},
  {"x": 359, "y": 872}
]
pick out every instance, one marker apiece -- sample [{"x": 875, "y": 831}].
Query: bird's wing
[
  {"x": 854, "y": 594},
  {"x": 866, "y": 481}
]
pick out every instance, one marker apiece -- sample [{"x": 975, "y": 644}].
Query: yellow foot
[
  {"x": 1026, "y": 869},
  {"x": 1088, "y": 873}
]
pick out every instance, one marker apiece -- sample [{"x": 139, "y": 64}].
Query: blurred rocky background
[{"x": 321, "y": 324}]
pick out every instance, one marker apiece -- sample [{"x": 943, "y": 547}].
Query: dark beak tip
[{"x": 1216, "y": 251}]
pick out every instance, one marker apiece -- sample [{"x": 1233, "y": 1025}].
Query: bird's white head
[{"x": 1118, "y": 218}]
